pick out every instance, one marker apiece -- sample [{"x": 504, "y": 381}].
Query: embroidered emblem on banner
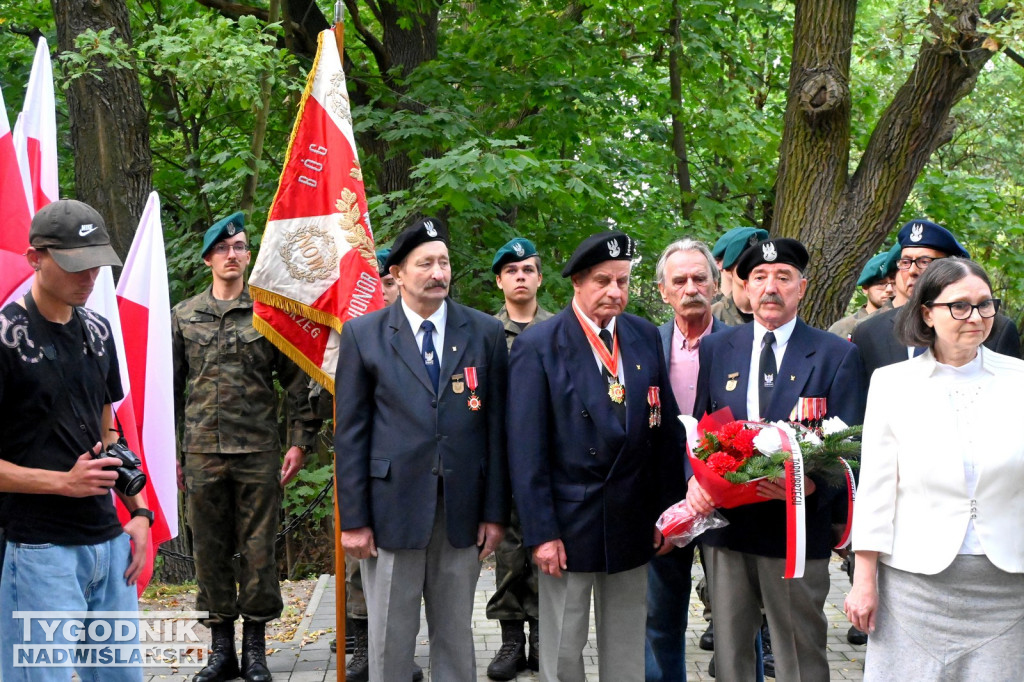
[{"x": 310, "y": 254}]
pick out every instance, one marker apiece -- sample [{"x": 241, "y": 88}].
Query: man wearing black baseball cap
[{"x": 58, "y": 378}]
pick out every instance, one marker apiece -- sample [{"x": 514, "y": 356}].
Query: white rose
[
  {"x": 833, "y": 425},
  {"x": 809, "y": 438}
]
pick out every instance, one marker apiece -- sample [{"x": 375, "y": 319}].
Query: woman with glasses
[{"x": 938, "y": 525}]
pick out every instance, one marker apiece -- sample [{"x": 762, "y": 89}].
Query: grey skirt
[{"x": 965, "y": 623}]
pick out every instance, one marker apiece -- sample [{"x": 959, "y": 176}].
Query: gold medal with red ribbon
[
  {"x": 610, "y": 360},
  {"x": 474, "y": 401},
  {"x": 654, "y": 400}
]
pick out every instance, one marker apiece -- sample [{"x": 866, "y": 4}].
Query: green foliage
[{"x": 304, "y": 488}]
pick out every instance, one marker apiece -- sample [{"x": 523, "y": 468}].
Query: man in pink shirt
[{"x": 688, "y": 281}]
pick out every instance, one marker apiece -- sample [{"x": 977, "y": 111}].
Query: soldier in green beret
[
  {"x": 876, "y": 280},
  {"x": 227, "y": 412},
  {"x": 516, "y": 268},
  {"x": 734, "y": 309}
]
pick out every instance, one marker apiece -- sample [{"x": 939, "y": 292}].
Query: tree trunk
[
  {"x": 843, "y": 220},
  {"x": 686, "y": 200},
  {"x": 260, "y": 129},
  {"x": 109, "y": 125}
]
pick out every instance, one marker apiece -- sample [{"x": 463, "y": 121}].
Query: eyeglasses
[
  {"x": 962, "y": 310},
  {"x": 222, "y": 248},
  {"x": 922, "y": 262}
]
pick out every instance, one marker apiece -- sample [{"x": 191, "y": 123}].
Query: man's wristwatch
[{"x": 146, "y": 514}]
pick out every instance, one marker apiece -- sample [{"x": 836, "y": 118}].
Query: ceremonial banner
[
  {"x": 15, "y": 272},
  {"x": 316, "y": 267}
]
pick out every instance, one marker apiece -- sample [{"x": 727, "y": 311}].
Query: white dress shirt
[
  {"x": 439, "y": 318},
  {"x": 782, "y": 335}
]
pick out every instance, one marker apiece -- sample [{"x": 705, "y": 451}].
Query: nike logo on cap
[{"x": 87, "y": 230}]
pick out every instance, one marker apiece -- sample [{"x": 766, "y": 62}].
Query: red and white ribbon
[
  {"x": 851, "y": 496},
  {"x": 471, "y": 380},
  {"x": 796, "y": 527}
]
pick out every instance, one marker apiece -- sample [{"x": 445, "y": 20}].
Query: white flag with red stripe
[
  {"x": 144, "y": 302},
  {"x": 317, "y": 267},
  {"x": 15, "y": 272},
  {"x": 36, "y": 130}
]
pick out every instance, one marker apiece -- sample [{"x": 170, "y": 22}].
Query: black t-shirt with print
[{"x": 50, "y": 415}]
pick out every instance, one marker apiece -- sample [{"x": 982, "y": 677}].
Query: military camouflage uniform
[
  {"x": 226, "y": 406},
  {"x": 515, "y": 574},
  {"x": 726, "y": 311},
  {"x": 845, "y": 326}
]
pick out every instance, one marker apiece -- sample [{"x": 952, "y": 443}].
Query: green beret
[
  {"x": 874, "y": 270},
  {"x": 892, "y": 256},
  {"x": 222, "y": 229},
  {"x": 741, "y": 238},
  {"x": 382, "y": 258},
  {"x": 517, "y": 250}
]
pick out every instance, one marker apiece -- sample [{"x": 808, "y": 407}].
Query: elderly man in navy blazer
[
  {"x": 598, "y": 453},
  {"x": 764, "y": 369},
  {"x": 422, "y": 476},
  {"x": 687, "y": 277}
]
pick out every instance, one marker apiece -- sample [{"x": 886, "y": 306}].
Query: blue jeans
[
  {"x": 64, "y": 578},
  {"x": 668, "y": 602}
]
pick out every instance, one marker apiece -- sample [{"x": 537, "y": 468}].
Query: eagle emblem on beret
[
  {"x": 232, "y": 228},
  {"x": 916, "y": 232},
  {"x": 518, "y": 248},
  {"x": 769, "y": 252},
  {"x": 429, "y": 227},
  {"x": 613, "y": 248}
]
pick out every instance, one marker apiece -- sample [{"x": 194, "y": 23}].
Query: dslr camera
[{"x": 130, "y": 479}]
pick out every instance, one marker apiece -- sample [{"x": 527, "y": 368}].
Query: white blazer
[{"x": 912, "y": 503}]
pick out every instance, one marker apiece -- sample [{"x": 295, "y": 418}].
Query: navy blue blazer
[
  {"x": 816, "y": 365},
  {"x": 393, "y": 436},
  {"x": 876, "y": 339},
  {"x": 577, "y": 474}
]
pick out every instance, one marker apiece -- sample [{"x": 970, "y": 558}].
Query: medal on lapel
[
  {"x": 654, "y": 400},
  {"x": 457, "y": 385},
  {"x": 730, "y": 385},
  {"x": 474, "y": 401}
]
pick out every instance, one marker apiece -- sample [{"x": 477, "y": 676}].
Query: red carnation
[
  {"x": 743, "y": 443},
  {"x": 721, "y": 463}
]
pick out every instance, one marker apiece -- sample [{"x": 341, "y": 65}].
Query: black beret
[
  {"x": 926, "y": 234},
  {"x": 782, "y": 250},
  {"x": 420, "y": 232},
  {"x": 598, "y": 248}
]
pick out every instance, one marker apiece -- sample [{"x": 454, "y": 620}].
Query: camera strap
[{"x": 49, "y": 349}]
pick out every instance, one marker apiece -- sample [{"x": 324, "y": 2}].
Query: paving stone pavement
[{"x": 307, "y": 658}]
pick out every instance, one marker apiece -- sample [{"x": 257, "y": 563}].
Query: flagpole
[{"x": 341, "y": 606}]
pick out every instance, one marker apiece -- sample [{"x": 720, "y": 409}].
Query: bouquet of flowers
[{"x": 730, "y": 457}]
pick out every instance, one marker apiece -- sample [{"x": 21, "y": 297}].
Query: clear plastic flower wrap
[{"x": 680, "y": 525}]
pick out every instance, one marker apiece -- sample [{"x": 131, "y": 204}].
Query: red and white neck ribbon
[
  {"x": 471, "y": 380},
  {"x": 851, "y": 497},
  {"x": 796, "y": 523}
]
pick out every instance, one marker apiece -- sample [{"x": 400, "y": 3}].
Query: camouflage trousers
[
  {"x": 515, "y": 577},
  {"x": 355, "y": 600},
  {"x": 234, "y": 506}
]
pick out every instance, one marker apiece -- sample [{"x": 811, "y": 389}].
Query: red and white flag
[
  {"x": 316, "y": 268},
  {"x": 139, "y": 316},
  {"x": 36, "y": 132},
  {"x": 15, "y": 272}
]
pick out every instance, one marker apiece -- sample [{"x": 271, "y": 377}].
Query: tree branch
[
  {"x": 371, "y": 41},
  {"x": 234, "y": 10},
  {"x": 1015, "y": 57}
]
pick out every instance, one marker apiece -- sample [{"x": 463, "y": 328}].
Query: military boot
[
  {"x": 533, "y": 658},
  {"x": 358, "y": 669},
  {"x": 511, "y": 657},
  {"x": 254, "y": 652},
  {"x": 223, "y": 663}
]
